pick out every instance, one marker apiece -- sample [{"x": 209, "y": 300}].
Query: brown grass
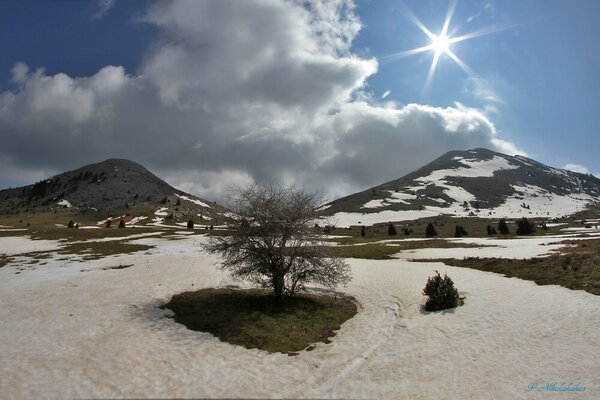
[
  {"x": 576, "y": 267},
  {"x": 254, "y": 319}
]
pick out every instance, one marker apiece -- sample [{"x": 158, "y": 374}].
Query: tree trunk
[{"x": 278, "y": 285}]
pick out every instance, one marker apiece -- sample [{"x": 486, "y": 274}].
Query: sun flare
[{"x": 440, "y": 43}]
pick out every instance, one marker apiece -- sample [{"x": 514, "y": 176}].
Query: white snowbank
[
  {"x": 64, "y": 203},
  {"x": 136, "y": 220},
  {"x": 162, "y": 212},
  {"x": 198, "y": 202},
  {"x": 11, "y": 245},
  {"x": 101, "y": 333},
  {"x": 345, "y": 219}
]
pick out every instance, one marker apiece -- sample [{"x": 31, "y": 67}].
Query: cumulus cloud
[
  {"x": 577, "y": 168},
  {"x": 237, "y": 92}
]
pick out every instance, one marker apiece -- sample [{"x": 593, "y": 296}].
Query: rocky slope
[
  {"x": 113, "y": 187},
  {"x": 473, "y": 183}
]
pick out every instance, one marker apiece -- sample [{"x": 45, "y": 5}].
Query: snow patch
[
  {"x": 65, "y": 203},
  {"x": 198, "y": 202}
]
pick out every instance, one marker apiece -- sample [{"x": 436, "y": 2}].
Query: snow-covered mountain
[
  {"x": 110, "y": 187},
  {"x": 472, "y": 183}
]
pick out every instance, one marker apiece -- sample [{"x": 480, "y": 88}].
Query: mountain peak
[
  {"x": 112, "y": 186},
  {"x": 471, "y": 183}
]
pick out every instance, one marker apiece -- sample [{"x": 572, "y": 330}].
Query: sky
[{"x": 327, "y": 95}]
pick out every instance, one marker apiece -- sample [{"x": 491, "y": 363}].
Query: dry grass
[
  {"x": 97, "y": 250},
  {"x": 254, "y": 319},
  {"x": 384, "y": 251},
  {"x": 576, "y": 267}
]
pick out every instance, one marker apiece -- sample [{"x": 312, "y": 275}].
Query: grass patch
[
  {"x": 97, "y": 250},
  {"x": 253, "y": 319},
  {"x": 384, "y": 251},
  {"x": 577, "y": 267},
  {"x": 56, "y": 233},
  {"x": 367, "y": 251}
]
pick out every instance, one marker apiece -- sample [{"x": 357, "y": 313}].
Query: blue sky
[
  {"x": 544, "y": 67},
  {"x": 180, "y": 73}
]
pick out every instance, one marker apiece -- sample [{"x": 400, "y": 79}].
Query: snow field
[{"x": 101, "y": 333}]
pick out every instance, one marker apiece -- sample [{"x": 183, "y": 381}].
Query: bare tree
[{"x": 274, "y": 244}]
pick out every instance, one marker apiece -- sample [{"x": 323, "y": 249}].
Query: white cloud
[
  {"x": 280, "y": 98},
  {"x": 577, "y": 168},
  {"x": 386, "y": 94},
  {"x": 482, "y": 89},
  {"x": 103, "y": 8}
]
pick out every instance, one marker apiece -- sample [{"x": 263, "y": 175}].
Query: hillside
[
  {"x": 112, "y": 188},
  {"x": 473, "y": 183}
]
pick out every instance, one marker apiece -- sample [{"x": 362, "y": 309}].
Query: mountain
[
  {"x": 114, "y": 187},
  {"x": 472, "y": 183}
]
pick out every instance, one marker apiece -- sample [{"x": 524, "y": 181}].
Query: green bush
[{"x": 441, "y": 292}]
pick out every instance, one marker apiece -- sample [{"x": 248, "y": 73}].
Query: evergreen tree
[
  {"x": 190, "y": 224},
  {"x": 71, "y": 224},
  {"x": 108, "y": 224},
  {"x": 392, "y": 230},
  {"x": 122, "y": 223},
  {"x": 459, "y": 231},
  {"x": 430, "y": 230},
  {"x": 503, "y": 227},
  {"x": 524, "y": 227},
  {"x": 363, "y": 232},
  {"x": 491, "y": 230}
]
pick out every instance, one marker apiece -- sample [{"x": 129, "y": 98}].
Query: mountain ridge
[
  {"x": 477, "y": 183},
  {"x": 110, "y": 187}
]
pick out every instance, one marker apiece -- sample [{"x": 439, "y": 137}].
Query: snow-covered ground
[
  {"x": 101, "y": 333},
  {"x": 65, "y": 203},
  {"x": 197, "y": 202},
  {"x": 526, "y": 247}
]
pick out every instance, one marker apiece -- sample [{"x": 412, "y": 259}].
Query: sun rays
[{"x": 440, "y": 44}]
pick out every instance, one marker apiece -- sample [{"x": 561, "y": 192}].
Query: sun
[{"x": 440, "y": 44}]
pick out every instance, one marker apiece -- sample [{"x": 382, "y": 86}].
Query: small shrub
[
  {"x": 392, "y": 230},
  {"x": 363, "y": 233},
  {"x": 190, "y": 224},
  {"x": 122, "y": 224},
  {"x": 430, "y": 230},
  {"x": 108, "y": 224},
  {"x": 441, "y": 292},
  {"x": 71, "y": 224}
]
